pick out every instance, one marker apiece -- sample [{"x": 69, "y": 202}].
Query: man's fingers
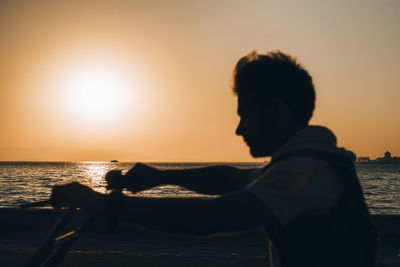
[
  {"x": 62, "y": 195},
  {"x": 58, "y": 198},
  {"x": 114, "y": 179},
  {"x": 77, "y": 195}
]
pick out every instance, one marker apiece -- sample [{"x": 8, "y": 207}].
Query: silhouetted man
[{"x": 308, "y": 198}]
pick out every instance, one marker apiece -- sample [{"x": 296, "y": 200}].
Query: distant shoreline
[
  {"x": 176, "y": 162},
  {"x": 377, "y": 163}
]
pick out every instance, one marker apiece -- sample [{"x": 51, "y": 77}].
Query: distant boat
[{"x": 114, "y": 160}]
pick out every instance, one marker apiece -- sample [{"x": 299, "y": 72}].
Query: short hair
[{"x": 276, "y": 75}]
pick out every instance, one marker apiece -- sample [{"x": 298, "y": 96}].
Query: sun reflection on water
[{"x": 93, "y": 174}]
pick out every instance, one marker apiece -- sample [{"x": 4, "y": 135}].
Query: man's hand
[
  {"x": 115, "y": 180},
  {"x": 139, "y": 178},
  {"x": 78, "y": 196}
]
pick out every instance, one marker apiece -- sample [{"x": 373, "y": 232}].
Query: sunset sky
[{"x": 150, "y": 80}]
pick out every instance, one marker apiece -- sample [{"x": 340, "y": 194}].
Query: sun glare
[{"x": 96, "y": 92}]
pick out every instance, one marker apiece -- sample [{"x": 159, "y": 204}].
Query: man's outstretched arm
[
  {"x": 239, "y": 211},
  {"x": 212, "y": 180}
]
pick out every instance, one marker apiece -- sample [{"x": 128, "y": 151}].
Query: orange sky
[{"x": 161, "y": 70}]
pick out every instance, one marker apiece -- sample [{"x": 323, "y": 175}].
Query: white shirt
[{"x": 301, "y": 184}]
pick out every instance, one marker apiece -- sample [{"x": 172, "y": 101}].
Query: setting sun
[{"x": 96, "y": 91}]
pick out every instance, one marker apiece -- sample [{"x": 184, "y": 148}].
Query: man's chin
[{"x": 257, "y": 153}]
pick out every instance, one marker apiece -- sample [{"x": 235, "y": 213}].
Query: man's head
[{"x": 275, "y": 98}]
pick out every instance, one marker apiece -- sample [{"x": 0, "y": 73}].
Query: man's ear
[
  {"x": 283, "y": 113},
  {"x": 275, "y": 107},
  {"x": 279, "y": 107}
]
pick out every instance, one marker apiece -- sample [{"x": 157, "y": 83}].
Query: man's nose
[{"x": 239, "y": 129}]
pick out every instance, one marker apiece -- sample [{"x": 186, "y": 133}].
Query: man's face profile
[
  {"x": 276, "y": 98},
  {"x": 256, "y": 124}
]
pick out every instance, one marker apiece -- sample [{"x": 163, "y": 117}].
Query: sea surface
[{"x": 24, "y": 182}]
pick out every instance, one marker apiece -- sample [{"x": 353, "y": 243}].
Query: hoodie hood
[{"x": 316, "y": 138}]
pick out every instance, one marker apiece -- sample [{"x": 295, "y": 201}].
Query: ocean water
[{"x": 23, "y": 182}]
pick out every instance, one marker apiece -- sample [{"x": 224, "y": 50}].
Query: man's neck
[{"x": 287, "y": 135}]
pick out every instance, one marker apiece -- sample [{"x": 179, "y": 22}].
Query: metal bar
[
  {"x": 63, "y": 245},
  {"x": 47, "y": 246}
]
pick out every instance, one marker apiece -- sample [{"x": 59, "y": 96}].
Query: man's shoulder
[
  {"x": 300, "y": 166},
  {"x": 297, "y": 184}
]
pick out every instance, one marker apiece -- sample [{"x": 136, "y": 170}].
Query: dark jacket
[{"x": 345, "y": 236}]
